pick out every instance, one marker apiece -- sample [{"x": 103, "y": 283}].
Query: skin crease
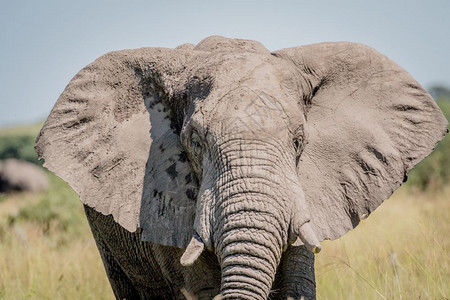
[{"x": 202, "y": 167}]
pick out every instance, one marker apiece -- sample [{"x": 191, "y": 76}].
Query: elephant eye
[
  {"x": 298, "y": 147},
  {"x": 296, "y": 144}
]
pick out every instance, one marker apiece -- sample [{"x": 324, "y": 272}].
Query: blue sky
[{"x": 43, "y": 44}]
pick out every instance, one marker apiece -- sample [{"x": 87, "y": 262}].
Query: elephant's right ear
[
  {"x": 111, "y": 136},
  {"x": 368, "y": 123}
]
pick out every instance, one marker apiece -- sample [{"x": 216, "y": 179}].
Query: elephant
[
  {"x": 216, "y": 169},
  {"x": 21, "y": 176}
]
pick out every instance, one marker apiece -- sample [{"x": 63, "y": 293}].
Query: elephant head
[{"x": 229, "y": 147}]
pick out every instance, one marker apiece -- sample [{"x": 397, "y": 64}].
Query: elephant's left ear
[
  {"x": 368, "y": 123},
  {"x": 112, "y": 136}
]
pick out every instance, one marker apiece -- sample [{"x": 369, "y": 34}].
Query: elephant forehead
[
  {"x": 249, "y": 94},
  {"x": 244, "y": 110},
  {"x": 231, "y": 68}
]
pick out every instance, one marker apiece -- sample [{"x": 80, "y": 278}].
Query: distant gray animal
[
  {"x": 16, "y": 175},
  {"x": 204, "y": 169}
]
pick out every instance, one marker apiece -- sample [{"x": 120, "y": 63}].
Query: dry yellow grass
[
  {"x": 36, "y": 269},
  {"x": 42, "y": 261},
  {"x": 400, "y": 252}
]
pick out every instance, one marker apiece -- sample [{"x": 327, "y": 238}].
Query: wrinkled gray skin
[
  {"x": 21, "y": 176},
  {"x": 204, "y": 169}
]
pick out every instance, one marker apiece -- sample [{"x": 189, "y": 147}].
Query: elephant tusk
[
  {"x": 309, "y": 238},
  {"x": 193, "y": 251},
  {"x": 218, "y": 297}
]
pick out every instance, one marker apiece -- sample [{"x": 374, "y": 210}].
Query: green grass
[{"x": 18, "y": 142}]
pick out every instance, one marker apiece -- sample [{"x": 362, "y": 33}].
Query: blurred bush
[
  {"x": 19, "y": 147},
  {"x": 439, "y": 92},
  {"x": 433, "y": 173},
  {"x": 18, "y": 142}
]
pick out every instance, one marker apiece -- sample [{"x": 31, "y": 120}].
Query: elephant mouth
[{"x": 196, "y": 245}]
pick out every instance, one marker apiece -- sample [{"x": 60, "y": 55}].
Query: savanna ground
[{"x": 400, "y": 252}]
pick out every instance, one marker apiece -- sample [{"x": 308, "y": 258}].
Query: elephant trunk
[
  {"x": 249, "y": 245},
  {"x": 250, "y": 218},
  {"x": 246, "y": 272}
]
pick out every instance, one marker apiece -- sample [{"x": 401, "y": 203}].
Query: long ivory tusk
[
  {"x": 309, "y": 238},
  {"x": 193, "y": 251}
]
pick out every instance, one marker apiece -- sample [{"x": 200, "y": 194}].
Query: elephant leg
[
  {"x": 120, "y": 283},
  {"x": 204, "y": 277},
  {"x": 130, "y": 264},
  {"x": 199, "y": 281},
  {"x": 295, "y": 277}
]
